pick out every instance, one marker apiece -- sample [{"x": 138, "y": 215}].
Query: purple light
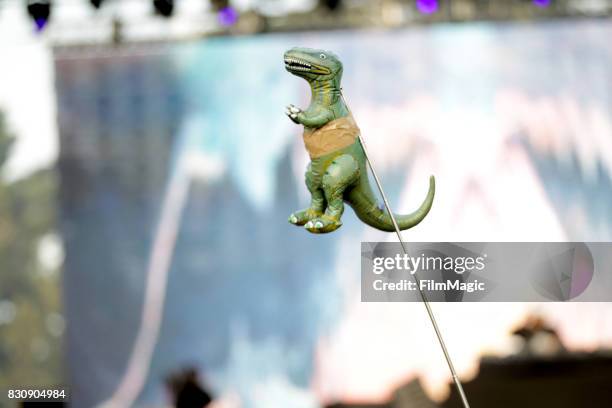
[
  {"x": 427, "y": 6},
  {"x": 40, "y": 23},
  {"x": 227, "y": 16},
  {"x": 541, "y": 3}
]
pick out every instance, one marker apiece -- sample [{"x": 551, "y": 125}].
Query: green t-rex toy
[{"x": 337, "y": 171}]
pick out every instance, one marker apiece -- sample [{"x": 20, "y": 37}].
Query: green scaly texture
[{"x": 341, "y": 176}]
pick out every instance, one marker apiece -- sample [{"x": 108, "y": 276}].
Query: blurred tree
[
  {"x": 6, "y": 140},
  {"x": 31, "y": 324}
]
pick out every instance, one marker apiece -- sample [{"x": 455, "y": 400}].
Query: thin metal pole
[{"x": 430, "y": 313}]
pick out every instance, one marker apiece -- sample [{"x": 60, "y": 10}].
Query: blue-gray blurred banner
[
  {"x": 179, "y": 169},
  {"x": 487, "y": 272}
]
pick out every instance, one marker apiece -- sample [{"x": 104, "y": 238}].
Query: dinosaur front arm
[
  {"x": 315, "y": 120},
  {"x": 309, "y": 119}
]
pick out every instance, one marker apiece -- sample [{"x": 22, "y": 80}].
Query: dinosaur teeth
[{"x": 297, "y": 64}]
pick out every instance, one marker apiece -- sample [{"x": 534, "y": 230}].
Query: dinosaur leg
[
  {"x": 317, "y": 201},
  {"x": 341, "y": 174}
]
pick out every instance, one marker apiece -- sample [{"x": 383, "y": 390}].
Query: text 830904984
[{"x": 37, "y": 394}]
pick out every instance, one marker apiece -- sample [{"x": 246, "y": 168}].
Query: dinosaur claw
[
  {"x": 292, "y": 112},
  {"x": 293, "y": 109},
  {"x": 323, "y": 225}
]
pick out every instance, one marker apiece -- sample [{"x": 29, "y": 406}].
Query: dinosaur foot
[
  {"x": 323, "y": 224},
  {"x": 303, "y": 216}
]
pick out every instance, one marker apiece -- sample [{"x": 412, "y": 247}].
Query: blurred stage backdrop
[{"x": 179, "y": 170}]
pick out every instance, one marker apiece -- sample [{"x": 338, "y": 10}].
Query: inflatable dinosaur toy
[{"x": 337, "y": 171}]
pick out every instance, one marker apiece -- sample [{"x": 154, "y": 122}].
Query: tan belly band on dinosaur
[{"x": 332, "y": 136}]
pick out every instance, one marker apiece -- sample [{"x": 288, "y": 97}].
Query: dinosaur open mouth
[{"x": 296, "y": 64}]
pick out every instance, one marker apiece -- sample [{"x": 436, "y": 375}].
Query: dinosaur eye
[{"x": 322, "y": 56}]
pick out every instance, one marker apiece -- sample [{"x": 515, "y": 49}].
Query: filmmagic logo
[
  {"x": 443, "y": 271},
  {"x": 487, "y": 271},
  {"x": 429, "y": 285},
  {"x": 427, "y": 263}
]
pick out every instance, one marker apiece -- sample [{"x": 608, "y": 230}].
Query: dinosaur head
[{"x": 312, "y": 64}]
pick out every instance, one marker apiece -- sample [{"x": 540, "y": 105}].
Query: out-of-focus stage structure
[
  {"x": 177, "y": 158},
  {"x": 75, "y": 22},
  {"x": 541, "y": 370}
]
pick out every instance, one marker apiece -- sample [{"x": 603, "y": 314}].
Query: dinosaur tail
[{"x": 367, "y": 209}]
